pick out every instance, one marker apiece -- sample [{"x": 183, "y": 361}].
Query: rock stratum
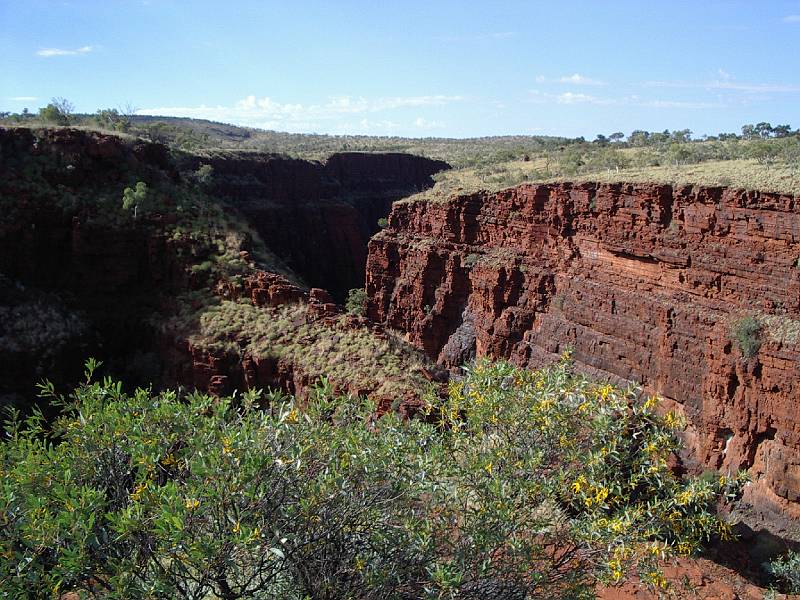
[{"x": 645, "y": 283}]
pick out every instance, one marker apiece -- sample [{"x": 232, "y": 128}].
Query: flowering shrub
[
  {"x": 576, "y": 482},
  {"x": 520, "y": 484}
]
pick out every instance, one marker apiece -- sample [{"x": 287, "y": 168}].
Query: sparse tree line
[{"x": 569, "y": 156}]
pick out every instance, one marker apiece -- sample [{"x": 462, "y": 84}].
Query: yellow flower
[
  {"x": 488, "y": 467},
  {"x": 651, "y": 402},
  {"x": 615, "y": 566},
  {"x": 192, "y": 503},
  {"x": 601, "y": 494},
  {"x": 656, "y": 579},
  {"x": 237, "y": 528},
  {"x": 292, "y": 416},
  {"x": 139, "y": 490},
  {"x": 605, "y": 391}
]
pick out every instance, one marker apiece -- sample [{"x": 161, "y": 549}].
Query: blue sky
[{"x": 414, "y": 68}]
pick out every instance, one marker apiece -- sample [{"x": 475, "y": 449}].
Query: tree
[
  {"x": 111, "y": 118},
  {"x": 681, "y": 136},
  {"x": 638, "y": 138},
  {"x": 600, "y": 140},
  {"x": 59, "y": 111},
  {"x": 134, "y": 198},
  {"x": 763, "y": 130},
  {"x": 749, "y": 132},
  {"x": 158, "y": 132},
  {"x": 781, "y": 131},
  {"x": 616, "y": 137},
  {"x": 679, "y": 153}
]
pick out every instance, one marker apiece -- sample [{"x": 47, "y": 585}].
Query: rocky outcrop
[
  {"x": 317, "y": 216},
  {"x": 645, "y": 283}
]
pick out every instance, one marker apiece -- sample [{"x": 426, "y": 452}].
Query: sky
[{"x": 450, "y": 68}]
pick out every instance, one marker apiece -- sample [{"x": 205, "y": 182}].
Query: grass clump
[
  {"x": 352, "y": 358},
  {"x": 746, "y": 333},
  {"x": 785, "y": 571}
]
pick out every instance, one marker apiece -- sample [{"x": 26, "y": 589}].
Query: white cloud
[
  {"x": 727, "y": 82},
  {"x": 48, "y": 52},
  {"x": 678, "y": 104},
  {"x": 791, "y": 19},
  {"x": 421, "y": 123},
  {"x": 574, "y": 79},
  {"x": 332, "y": 115},
  {"x": 573, "y": 98},
  {"x": 23, "y": 98},
  {"x": 578, "y": 79}
]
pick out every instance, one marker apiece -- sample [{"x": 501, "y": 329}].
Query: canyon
[
  {"x": 642, "y": 283},
  {"x": 317, "y": 216},
  {"x": 80, "y": 278}
]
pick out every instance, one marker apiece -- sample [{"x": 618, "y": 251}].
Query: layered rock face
[
  {"x": 318, "y": 217},
  {"x": 646, "y": 283},
  {"x": 71, "y": 284},
  {"x": 79, "y": 277}
]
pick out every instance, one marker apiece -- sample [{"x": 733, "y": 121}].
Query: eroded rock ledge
[{"x": 645, "y": 282}]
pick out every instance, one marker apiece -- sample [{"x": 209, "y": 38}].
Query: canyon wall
[
  {"x": 315, "y": 216},
  {"x": 646, "y": 283},
  {"x": 80, "y": 276}
]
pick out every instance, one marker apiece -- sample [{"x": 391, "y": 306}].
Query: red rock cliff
[
  {"x": 645, "y": 282},
  {"x": 319, "y": 217}
]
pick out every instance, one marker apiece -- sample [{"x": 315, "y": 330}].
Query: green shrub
[
  {"x": 383, "y": 222},
  {"x": 204, "y": 267},
  {"x": 747, "y": 334},
  {"x": 534, "y": 484},
  {"x": 58, "y": 111},
  {"x": 470, "y": 260},
  {"x": 356, "y": 300},
  {"x": 786, "y": 572},
  {"x": 135, "y": 198}
]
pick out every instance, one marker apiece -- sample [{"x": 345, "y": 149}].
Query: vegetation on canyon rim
[
  {"x": 760, "y": 156},
  {"x": 519, "y": 483}
]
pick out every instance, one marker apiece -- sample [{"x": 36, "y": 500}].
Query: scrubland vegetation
[
  {"x": 343, "y": 353},
  {"x": 517, "y": 484},
  {"x": 760, "y": 156}
]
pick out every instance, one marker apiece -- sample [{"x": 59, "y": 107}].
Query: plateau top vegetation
[{"x": 759, "y": 156}]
